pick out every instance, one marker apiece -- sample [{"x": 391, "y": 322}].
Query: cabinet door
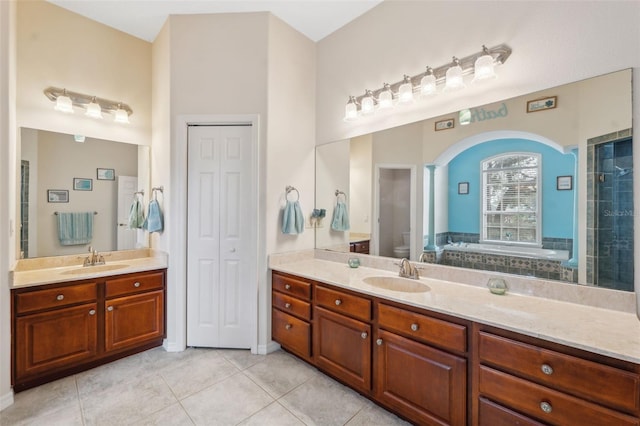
[
  {"x": 134, "y": 320},
  {"x": 342, "y": 347},
  {"x": 55, "y": 339},
  {"x": 425, "y": 384}
]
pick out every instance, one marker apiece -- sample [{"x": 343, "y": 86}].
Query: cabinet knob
[
  {"x": 379, "y": 342},
  {"x": 287, "y": 305},
  {"x": 92, "y": 312},
  {"x": 364, "y": 335},
  {"x": 110, "y": 308},
  {"x": 136, "y": 284},
  {"x": 414, "y": 327},
  {"x": 546, "y": 369},
  {"x": 60, "y": 297},
  {"x": 546, "y": 407},
  {"x": 288, "y": 326},
  {"x": 338, "y": 302},
  {"x": 287, "y": 286}
]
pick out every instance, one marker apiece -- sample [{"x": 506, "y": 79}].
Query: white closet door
[{"x": 220, "y": 283}]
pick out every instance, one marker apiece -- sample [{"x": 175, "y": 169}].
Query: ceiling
[{"x": 144, "y": 18}]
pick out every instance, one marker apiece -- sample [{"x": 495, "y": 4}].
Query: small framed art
[
  {"x": 463, "y": 188},
  {"x": 57, "y": 195},
  {"x": 82, "y": 184},
  {"x": 542, "y": 104},
  {"x": 444, "y": 124},
  {"x": 564, "y": 183},
  {"x": 106, "y": 174}
]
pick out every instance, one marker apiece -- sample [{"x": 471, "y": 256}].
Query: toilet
[{"x": 404, "y": 250}]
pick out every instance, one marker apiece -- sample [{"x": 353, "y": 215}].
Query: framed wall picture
[
  {"x": 106, "y": 174},
  {"x": 463, "y": 188},
  {"x": 82, "y": 184},
  {"x": 444, "y": 124},
  {"x": 564, "y": 183},
  {"x": 57, "y": 196},
  {"x": 542, "y": 104}
]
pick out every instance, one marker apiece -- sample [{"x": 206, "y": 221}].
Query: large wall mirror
[
  {"x": 62, "y": 174},
  {"x": 537, "y": 185}
]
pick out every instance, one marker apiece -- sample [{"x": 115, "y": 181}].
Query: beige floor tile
[
  {"x": 128, "y": 402},
  {"x": 200, "y": 372},
  {"x": 280, "y": 372},
  {"x": 68, "y": 414},
  {"x": 324, "y": 402},
  {"x": 115, "y": 373},
  {"x": 161, "y": 359},
  {"x": 41, "y": 401},
  {"x": 226, "y": 403},
  {"x": 241, "y": 358},
  {"x": 272, "y": 415},
  {"x": 173, "y": 415},
  {"x": 373, "y": 415}
]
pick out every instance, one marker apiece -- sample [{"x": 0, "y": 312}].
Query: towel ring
[
  {"x": 289, "y": 189},
  {"x": 338, "y": 193}
]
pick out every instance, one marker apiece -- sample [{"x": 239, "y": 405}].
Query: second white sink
[
  {"x": 397, "y": 284},
  {"x": 92, "y": 269}
]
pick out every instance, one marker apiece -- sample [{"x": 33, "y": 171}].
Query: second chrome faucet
[{"x": 407, "y": 270}]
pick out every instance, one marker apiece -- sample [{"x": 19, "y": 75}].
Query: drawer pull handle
[
  {"x": 136, "y": 284},
  {"x": 364, "y": 335},
  {"x": 60, "y": 297},
  {"x": 379, "y": 342},
  {"x": 546, "y": 407},
  {"x": 287, "y": 305},
  {"x": 546, "y": 369},
  {"x": 110, "y": 308},
  {"x": 92, "y": 312},
  {"x": 287, "y": 286},
  {"x": 414, "y": 327},
  {"x": 288, "y": 326},
  {"x": 338, "y": 302}
]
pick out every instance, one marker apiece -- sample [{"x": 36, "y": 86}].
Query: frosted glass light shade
[
  {"x": 428, "y": 85},
  {"x": 483, "y": 69},
  {"x": 385, "y": 99},
  {"x": 454, "y": 79},
  {"x": 351, "y": 110},
  {"x": 64, "y": 104},
  {"x": 94, "y": 110},
  {"x": 367, "y": 104},
  {"x": 405, "y": 91},
  {"x": 121, "y": 116}
]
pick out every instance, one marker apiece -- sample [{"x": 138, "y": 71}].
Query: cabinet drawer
[
  {"x": 571, "y": 374},
  {"x": 292, "y": 305},
  {"x": 55, "y": 297},
  {"x": 345, "y": 303},
  {"x": 292, "y": 333},
  {"x": 292, "y": 286},
  {"x": 134, "y": 284},
  {"x": 418, "y": 326},
  {"x": 491, "y": 414},
  {"x": 360, "y": 247},
  {"x": 546, "y": 404}
]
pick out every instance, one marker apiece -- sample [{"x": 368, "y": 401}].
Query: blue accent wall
[{"x": 557, "y": 206}]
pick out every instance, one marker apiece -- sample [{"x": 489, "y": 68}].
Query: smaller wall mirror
[{"x": 63, "y": 174}]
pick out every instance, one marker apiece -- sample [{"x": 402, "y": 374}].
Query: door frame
[
  {"x": 375, "y": 229},
  {"x": 177, "y": 224}
]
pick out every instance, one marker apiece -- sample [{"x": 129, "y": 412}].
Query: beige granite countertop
[
  {"x": 59, "y": 269},
  {"x": 603, "y": 331}
]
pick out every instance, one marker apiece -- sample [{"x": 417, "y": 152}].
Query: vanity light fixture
[
  {"x": 94, "y": 106},
  {"x": 450, "y": 76}
]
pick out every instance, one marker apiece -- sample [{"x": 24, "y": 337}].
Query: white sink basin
[
  {"x": 397, "y": 284},
  {"x": 93, "y": 269}
]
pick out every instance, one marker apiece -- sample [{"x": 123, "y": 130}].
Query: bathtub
[{"x": 507, "y": 250}]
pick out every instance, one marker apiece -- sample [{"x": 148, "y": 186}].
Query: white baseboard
[
  {"x": 268, "y": 348},
  {"x": 173, "y": 346},
  {"x": 6, "y": 400}
]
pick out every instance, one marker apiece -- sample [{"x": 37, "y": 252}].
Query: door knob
[{"x": 232, "y": 250}]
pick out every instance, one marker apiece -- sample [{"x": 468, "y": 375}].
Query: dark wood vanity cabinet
[
  {"x": 361, "y": 247},
  {"x": 291, "y": 314},
  {"x": 61, "y": 329}
]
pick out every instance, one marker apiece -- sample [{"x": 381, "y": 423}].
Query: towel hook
[
  {"x": 155, "y": 190},
  {"x": 290, "y": 188}
]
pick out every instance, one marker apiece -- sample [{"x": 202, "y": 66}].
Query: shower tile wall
[
  {"x": 24, "y": 208},
  {"x": 610, "y": 211}
]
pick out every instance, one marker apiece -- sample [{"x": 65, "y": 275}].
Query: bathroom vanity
[
  {"x": 443, "y": 353},
  {"x": 71, "y": 318}
]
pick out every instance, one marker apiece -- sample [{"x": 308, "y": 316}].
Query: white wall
[{"x": 361, "y": 184}]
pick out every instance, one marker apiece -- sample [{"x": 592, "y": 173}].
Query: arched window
[{"x": 510, "y": 199}]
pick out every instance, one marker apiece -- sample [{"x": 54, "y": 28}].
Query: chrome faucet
[
  {"x": 407, "y": 270},
  {"x": 94, "y": 258}
]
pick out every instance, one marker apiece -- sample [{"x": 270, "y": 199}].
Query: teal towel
[
  {"x": 136, "y": 214},
  {"x": 75, "y": 228},
  {"x": 154, "y": 221},
  {"x": 340, "y": 221},
  {"x": 292, "y": 218}
]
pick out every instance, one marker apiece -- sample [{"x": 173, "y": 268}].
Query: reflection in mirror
[
  {"x": 96, "y": 177},
  {"x": 538, "y": 185}
]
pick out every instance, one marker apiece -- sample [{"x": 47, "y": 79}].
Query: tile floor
[{"x": 197, "y": 387}]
